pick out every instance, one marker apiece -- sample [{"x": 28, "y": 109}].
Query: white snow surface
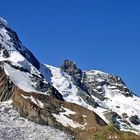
[
  {"x": 62, "y": 82},
  {"x": 3, "y": 21},
  {"x": 14, "y": 127},
  {"x": 19, "y": 78},
  {"x": 35, "y": 101},
  {"x": 65, "y": 121},
  {"x": 121, "y": 104}
]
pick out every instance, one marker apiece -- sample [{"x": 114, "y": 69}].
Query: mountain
[
  {"x": 41, "y": 101},
  {"x": 103, "y": 93}
]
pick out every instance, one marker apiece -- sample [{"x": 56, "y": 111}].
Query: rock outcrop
[
  {"x": 70, "y": 68},
  {"x": 76, "y": 74},
  {"x": 96, "y": 81},
  {"x": 55, "y": 113},
  {"x": 135, "y": 120},
  {"x": 6, "y": 85}
]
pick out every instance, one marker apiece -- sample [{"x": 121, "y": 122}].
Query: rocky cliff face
[
  {"x": 6, "y": 86},
  {"x": 76, "y": 74},
  {"x": 95, "y": 81},
  {"x": 47, "y": 110},
  {"x": 70, "y": 68}
]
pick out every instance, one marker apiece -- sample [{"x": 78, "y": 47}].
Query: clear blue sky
[{"x": 96, "y": 34}]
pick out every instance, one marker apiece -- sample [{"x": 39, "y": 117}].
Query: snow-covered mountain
[
  {"x": 20, "y": 65},
  {"x": 80, "y": 103},
  {"x": 110, "y": 97}
]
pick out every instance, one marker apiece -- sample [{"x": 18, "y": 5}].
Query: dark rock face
[
  {"x": 98, "y": 84},
  {"x": 135, "y": 120},
  {"x": 42, "y": 86},
  {"x": 24, "y": 51},
  {"x": 95, "y": 83},
  {"x": 125, "y": 115},
  {"x": 44, "y": 116},
  {"x": 70, "y": 68},
  {"x": 76, "y": 74},
  {"x": 32, "y": 111},
  {"x": 3, "y": 52}
]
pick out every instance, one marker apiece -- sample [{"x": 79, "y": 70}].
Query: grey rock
[{"x": 135, "y": 120}]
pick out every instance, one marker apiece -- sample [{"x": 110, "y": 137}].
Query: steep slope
[
  {"x": 20, "y": 65},
  {"x": 107, "y": 95},
  {"x": 14, "y": 127},
  {"x": 12, "y": 48},
  {"x": 111, "y": 93},
  {"x": 70, "y": 91}
]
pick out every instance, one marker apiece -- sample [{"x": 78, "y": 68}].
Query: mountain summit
[{"x": 80, "y": 104}]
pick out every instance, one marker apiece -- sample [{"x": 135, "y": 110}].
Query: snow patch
[
  {"x": 65, "y": 121},
  {"x": 35, "y": 101},
  {"x": 3, "y": 21},
  {"x": 19, "y": 78}
]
